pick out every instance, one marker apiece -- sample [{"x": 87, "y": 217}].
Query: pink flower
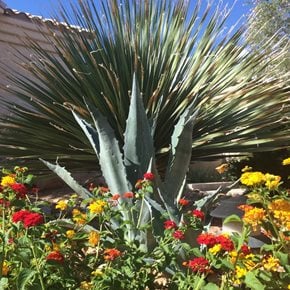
[
  {"x": 169, "y": 224},
  {"x": 198, "y": 214},
  {"x": 148, "y": 176},
  {"x": 178, "y": 235}
]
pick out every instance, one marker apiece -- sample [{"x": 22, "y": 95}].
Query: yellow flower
[
  {"x": 97, "y": 272},
  {"x": 286, "y": 161},
  {"x": 86, "y": 285},
  {"x": 288, "y": 287},
  {"x": 240, "y": 272},
  {"x": 252, "y": 178},
  {"x": 70, "y": 234},
  {"x": 97, "y": 206},
  {"x": 254, "y": 216},
  {"x": 55, "y": 247},
  {"x": 272, "y": 181},
  {"x": 93, "y": 238},
  {"x": 61, "y": 204},
  {"x": 79, "y": 217},
  {"x": 8, "y": 180},
  {"x": 222, "y": 168},
  {"x": 271, "y": 264},
  {"x": 5, "y": 268},
  {"x": 281, "y": 210},
  {"x": 215, "y": 249}
]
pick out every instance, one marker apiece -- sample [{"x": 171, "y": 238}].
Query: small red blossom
[
  {"x": 178, "y": 235},
  {"x": 20, "y": 215},
  {"x": 111, "y": 254},
  {"x": 128, "y": 194},
  {"x": 138, "y": 184},
  {"x": 103, "y": 189},
  {"x": 4, "y": 202},
  {"x": 33, "y": 219},
  {"x": 116, "y": 196},
  {"x": 183, "y": 202},
  {"x": 91, "y": 187},
  {"x": 198, "y": 214},
  {"x": 206, "y": 239},
  {"x": 148, "y": 176},
  {"x": 245, "y": 249},
  {"x": 226, "y": 243},
  {"x": 198, "y": 265},
  {"x": 56, "y": 256},
  {"x": 20, "y": 189},
  {"x": 169, "y": 224}
]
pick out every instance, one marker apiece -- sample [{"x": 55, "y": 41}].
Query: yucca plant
[{"x": 180, "y": 54}]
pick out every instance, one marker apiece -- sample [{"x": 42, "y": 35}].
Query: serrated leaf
[{"x": 68, "y": 179}]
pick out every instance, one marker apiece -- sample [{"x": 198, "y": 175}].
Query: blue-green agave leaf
[
  {"x": 138, "y": 141},
  {"x": 68, "y": 179},
  {"x": 110, "y": 156}
]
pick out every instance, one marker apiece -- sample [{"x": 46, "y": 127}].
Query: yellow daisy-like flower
[
  {"x": 97, "y": 272},
  {"x": 86, "y": 285},
  {"x": 94, "y": 238},
  {"x": 97, "y": 207},
  {"x": 240, "y": 272},
  {"x": 271, "y": 264},
  {"x": 254, "y": 217},
  {"x": 70, "y": 234},
  {"x": 215, "y": 249},
  {"x": 62, "y": 204},
  {"x": 5, "y": 268},
  {"x": 79, "y": 217},
  {"x": 286, "y": 161},
  {"x": 272, "y": 181},
  {"x": 8, "y": 180},
  {"x": 252, "y": 178}
]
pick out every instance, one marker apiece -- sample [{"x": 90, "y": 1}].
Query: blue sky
[{"x": 45, "y": 8}]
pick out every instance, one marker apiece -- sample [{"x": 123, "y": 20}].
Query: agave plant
[
  {"x": 181, "y": 56},
  {"x": 122, "y": 170}
]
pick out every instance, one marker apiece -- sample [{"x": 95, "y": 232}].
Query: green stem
[
  {"x": 140, "y": 215},
  {"x": 38, "y": 268}
]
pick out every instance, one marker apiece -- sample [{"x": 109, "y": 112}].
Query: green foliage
[{"x": 180, "y": 57}]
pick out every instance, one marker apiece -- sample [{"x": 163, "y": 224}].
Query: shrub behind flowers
[{"x": 83, "y": 247}]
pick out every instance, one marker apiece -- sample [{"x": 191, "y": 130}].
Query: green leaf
[
  {"x": 232, "y": 218},
  {"x": 252, "y": 282},
  {"x": 4, "y": 283},
  {"x": 210, "y": 286},
  {"x": 25, "y": 278}
]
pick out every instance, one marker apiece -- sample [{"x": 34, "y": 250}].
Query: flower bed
[{"x": 86, "y": 245}]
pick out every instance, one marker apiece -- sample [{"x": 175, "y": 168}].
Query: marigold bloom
[
  {"x": 254, "y": 217},
  {"x": 148, "y": 176},
  {"x": 70, "y": 234},
  {"x": 222, "y": 168},
  {"x": 20, "y": 189},
  {"x": 8, "y": 180},
  {"x": 272, "y": 181},
  {"x": 111, "y": 254},
  {"x": 271, "y": 264},
  {"x": 198, "y": 214},
  {"x": 280, "y": 208},
  {"x": 128, "y": 194},
  {"x": 178, "y": 235},
  {"x": 252, "y": 178},
  {"x": 206, "y": 239},
  {"x": 79, "y": 217},
  {"x": 286, "y": 161},
  {"x": 198, "y": 265},
  {"x": 94, "y": 238},
  {"x": 169, "y": 224},
  {"x": 183, "y": 202},
  {"x": 55, "y": 256},
  {"x": 62, "y": 204},
  {"x": 97, "y": 207}
]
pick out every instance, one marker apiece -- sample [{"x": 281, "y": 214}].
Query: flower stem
[{"x": 38, "y": 268}]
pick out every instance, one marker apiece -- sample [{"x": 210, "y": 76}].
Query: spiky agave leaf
[{"x": 178, "y": 53}]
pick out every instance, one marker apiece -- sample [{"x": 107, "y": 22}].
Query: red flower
[
  {"x": 198, "y": 214},
  {"x": 138, "y": 184},
  {"x": 20, "y": 189},
  {"x": 116, "y": 196},
  {"x": 111, "y": 254},
  {"x": 148, "y": 176},
  {"x": 225, "y": 242},
  {"x": 128, "y": 194},
  {"x": 168, "y": 225},
  {"x": 183, "y": 202},
  {"x": 200, "y": 265},
  {"x": 178, "y": 235},
  {"x": 245, "y": 249},
  {"x": 55, "y": 256},
  {"x": 20, "y": 215},
  {"x": 206, "y": 239},
  {"x": 33, "y": 219}
]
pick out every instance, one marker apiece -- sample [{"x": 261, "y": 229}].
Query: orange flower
[
  {"x": 128, "y": 194},
  {"x": 111, "y": 254},
  {"x": 222, "y": 168},
  {"x": 254, "y": 217}
]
